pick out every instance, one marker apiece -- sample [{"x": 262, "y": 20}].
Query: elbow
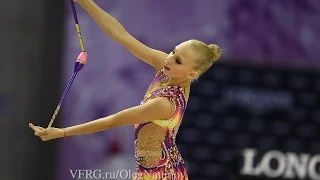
[
  {"x": 116, "y": 33},
  {"x": 120, "y": 36},
  {"x": 106, "y": 124}
]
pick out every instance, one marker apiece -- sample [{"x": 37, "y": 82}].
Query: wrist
[
  {"x": 62, "y": 132},
  {"x": 65, "y": 133}
]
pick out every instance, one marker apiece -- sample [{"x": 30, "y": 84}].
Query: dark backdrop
[{"x": 30, "y": 65}]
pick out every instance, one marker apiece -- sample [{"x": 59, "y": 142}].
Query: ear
[{"x": 193, "y": 75}]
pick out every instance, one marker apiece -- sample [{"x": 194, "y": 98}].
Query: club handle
[
  {"x": 62, "y": 99},
  {"x": 54, "y": 116},
  {"x": 77, "y": 25},
  {"x": 80, "y": 38}
]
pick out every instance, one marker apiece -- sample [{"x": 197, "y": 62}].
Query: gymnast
[{"x": 158, "y": 117}]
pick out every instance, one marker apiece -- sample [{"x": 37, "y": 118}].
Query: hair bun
[{"x": 216, "y": 52}]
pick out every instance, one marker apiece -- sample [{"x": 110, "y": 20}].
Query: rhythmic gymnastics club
[{"x": 81, "y": 60}]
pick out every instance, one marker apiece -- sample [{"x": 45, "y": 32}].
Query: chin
[{"x": 166, "y": 72}]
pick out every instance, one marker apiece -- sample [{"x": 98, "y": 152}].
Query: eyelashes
[{"x": 177, "y": 60}]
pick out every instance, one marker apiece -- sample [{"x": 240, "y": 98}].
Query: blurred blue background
[{"x": 254, "y": 115}]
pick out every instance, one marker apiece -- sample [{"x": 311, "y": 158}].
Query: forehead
[{"x": 185, "y": 52}]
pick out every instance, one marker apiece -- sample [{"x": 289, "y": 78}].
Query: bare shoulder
[
  {"x": 158, "y": 102},
  {"x": 159, "y": 107}
]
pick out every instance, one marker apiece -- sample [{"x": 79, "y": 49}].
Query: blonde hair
[{"x": 208, "y": 55}]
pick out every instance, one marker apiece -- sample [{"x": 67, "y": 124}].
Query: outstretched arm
[
  {"x": 118, "y": 33},
  {"x": 154, "y": 109}
]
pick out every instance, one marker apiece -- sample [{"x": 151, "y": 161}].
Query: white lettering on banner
[
  {"x": 296, "y": 165},
  {"x": 312, "y": 167},
  {"x": 265, "y": 164},
  {"x": 257, "y": 100},
  {"x": 289, "y": 165}
]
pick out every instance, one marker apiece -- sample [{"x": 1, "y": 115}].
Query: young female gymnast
[{"x": 157, "y": 119}]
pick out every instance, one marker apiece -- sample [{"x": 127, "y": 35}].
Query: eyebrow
[{"x": 175, "y": 49}]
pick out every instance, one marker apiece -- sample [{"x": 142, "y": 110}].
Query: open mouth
[{"x": 166, "y": 67}]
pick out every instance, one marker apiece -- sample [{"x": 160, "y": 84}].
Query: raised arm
[
  {"x": 118, "y": 33},
  {"x": 155, "y": 109}
]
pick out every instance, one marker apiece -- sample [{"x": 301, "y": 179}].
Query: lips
[{"x": 165, "y": 66}]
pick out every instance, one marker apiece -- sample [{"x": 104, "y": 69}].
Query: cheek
[{"x": 177, "y": 71}]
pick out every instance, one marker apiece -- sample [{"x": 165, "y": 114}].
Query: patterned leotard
[{"x": 156, "y": 153}]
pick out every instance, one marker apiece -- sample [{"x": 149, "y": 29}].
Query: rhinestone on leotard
[{"x": 155, "y": 142}]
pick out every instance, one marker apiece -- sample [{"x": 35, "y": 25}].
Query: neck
[{"x": 177, "y": 82}]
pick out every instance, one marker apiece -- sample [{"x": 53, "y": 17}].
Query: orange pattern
[{"x": 171, "y": 166}]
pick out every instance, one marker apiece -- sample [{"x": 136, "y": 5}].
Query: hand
[{"x": 46, "y": 134}]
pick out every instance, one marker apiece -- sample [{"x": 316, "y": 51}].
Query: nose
[{"x": 168, "y": 61}]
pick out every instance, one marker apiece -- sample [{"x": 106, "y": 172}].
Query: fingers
[
  {"x": 37, "y": 129},
  {"x": 40, "y": 128},
  {"x": 43, "y": 133}
]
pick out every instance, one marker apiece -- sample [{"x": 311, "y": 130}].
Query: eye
[
  {"x": 178, "y": 61},
  {"x": 173, "y": 51}
]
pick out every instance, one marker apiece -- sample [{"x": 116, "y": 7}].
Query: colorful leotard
[{"x": 160, "y": 158}]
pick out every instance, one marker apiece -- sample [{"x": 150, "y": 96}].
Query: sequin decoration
[{"x": 157, "y": 155}]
